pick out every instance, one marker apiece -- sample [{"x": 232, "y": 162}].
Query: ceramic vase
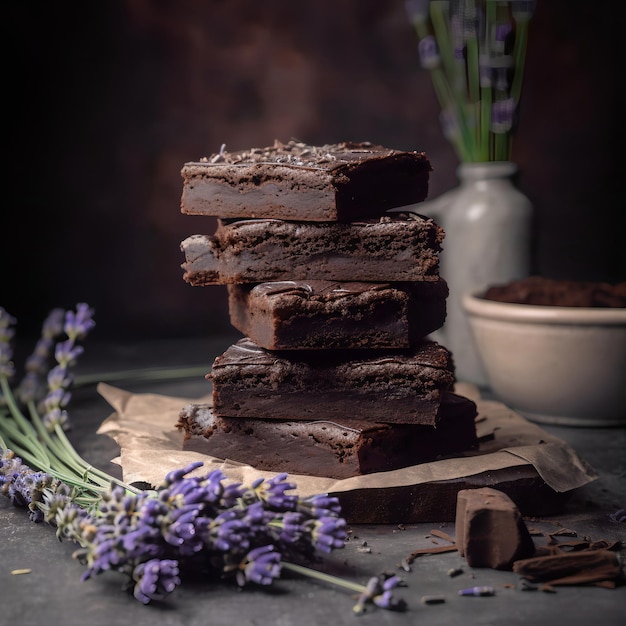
[{"x": 487, "y": 221}]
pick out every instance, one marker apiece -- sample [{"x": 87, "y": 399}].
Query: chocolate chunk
[
  {"x": 490, "y": 531},
  {"x": 571, "y": 568}
]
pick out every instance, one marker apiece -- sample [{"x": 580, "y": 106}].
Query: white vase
[{"x": 487, "y": 221}]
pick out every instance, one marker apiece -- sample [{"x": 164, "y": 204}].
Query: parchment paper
[{"x": 144, "y": 427}]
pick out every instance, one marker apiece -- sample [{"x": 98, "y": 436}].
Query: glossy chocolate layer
[
  {"x": 318, "y": 315},
  {"x": 402, "y": 386}
]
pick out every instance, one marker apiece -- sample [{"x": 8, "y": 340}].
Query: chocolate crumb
[{"x": 433, "y": 599}]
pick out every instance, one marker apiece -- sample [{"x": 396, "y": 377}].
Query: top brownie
[{"x": 295, "y": 181}]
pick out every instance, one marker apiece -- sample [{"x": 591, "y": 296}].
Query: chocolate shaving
[
  {"x": 434, "y": 550},
  {"x": 570, "y": 568},
  {"x": 442, "y": 535}
]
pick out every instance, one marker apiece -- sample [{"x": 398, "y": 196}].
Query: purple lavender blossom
[
  {"x": 273, "y": 492},
  {"x": 328, "y": 533},
  {"x": 228, "y": 532},
  {"x": 79, "y": 323},
  {"x": 428, "y": 51},
  {"x": 155, "y": 579},
  {"x": 320, "y": 505},
  {"x": 261, "y": 566},
  {"x": 66, "y": 353},
  {"x": 502, "y": 112},
  {"x": 7, "y": 333},
  {"x": 379, "y": 592},
  {"x": 31, "y": 387},
  {"x": 25, "y": 487},
  {"x": 10, "y": 466},
  {"x": 417, "y": 10}
]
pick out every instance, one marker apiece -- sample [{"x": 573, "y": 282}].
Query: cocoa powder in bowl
[{"x": 551, "y": 292}]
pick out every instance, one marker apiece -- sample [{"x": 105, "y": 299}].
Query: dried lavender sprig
[
  {"x": 377, "y": 591},
  {"x": 32, "y": 385},
  {"x": 135, "y": 534},
  {"x": 7, "y": 332},
  {"x": 76, "y": 326},
  {"x": 54, "y": 455},
  {"x": 138, "y": 533}
]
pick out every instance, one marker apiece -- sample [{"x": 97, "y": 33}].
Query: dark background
[{"x": 105, "y": 101}]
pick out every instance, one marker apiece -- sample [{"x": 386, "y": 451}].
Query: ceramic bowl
[{"x": 553, "y": 364}]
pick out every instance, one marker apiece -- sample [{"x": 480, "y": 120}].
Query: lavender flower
[
  {"x": 379, "y": 592},
  {"x": 155, "y": 579},
  {"x": 261, "y": 566},
  {"x": 25, "y": 487},
  {"x": 31, "y": 388},
  {"x": 502, "y": 112},
  {"x": 77, "y": 325},
  {"x": 328, "y": 533},
  {"x": 7, "y": 333},
  {"x": 429, "y": 53}
]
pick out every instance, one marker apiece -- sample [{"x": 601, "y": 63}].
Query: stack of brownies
[{"x": 335, "y": 296}]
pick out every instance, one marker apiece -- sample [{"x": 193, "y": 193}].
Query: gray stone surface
[{"x": 52, "y": 593}]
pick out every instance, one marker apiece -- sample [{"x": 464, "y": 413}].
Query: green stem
[
  {"x": 21, "y": 444},
  {"x": 93, "y": 472},
  {"x": 328, "y": 578},
  {"x": 519, "y": 57},
  {"x": 442, "y": 89},
  {"x": 151, "y": 374},
  {"x": 65, "y": 451},
  {"x": 55, "y": 448}
]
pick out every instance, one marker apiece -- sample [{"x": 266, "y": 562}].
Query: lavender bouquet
[
  {"x": 192, "y": 523},
  {"x": 475, "y": 51}
]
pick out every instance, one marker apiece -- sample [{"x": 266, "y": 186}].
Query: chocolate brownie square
[
  {"x": 294, "y": 181},
  {"x": 397, "y": 247},
  {"x": 317, "y": 314},
  {"x": 334, "y": 449},
  {"x": 390, "y": 386}
]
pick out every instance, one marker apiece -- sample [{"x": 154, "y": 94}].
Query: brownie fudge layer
[
  {"x": 402, "y": 387},
  {"x": 402, "y": 247},
  {"x": 293, "y": 181},
  {"x": 348, "y": 447},
  {"x": 316, "y": 314}
]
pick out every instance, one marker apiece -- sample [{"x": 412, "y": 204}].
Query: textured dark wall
[{"x": 108, "y": 100}]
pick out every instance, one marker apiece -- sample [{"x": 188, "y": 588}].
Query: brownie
[
  {"x": 398, "y": 247},
  {"x": 333, "y": 449},
  {"x": 294, "y": 181},
  {"x": 551, "y": 292},
  {"x": 401, "y": 386},
  {"x": 317, "y": 314}
]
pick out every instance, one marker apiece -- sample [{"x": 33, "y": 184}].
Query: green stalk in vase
[{"x": 475, "y": 51}]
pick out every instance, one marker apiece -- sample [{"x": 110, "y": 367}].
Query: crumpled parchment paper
[{"x": 144, "y": 427}]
